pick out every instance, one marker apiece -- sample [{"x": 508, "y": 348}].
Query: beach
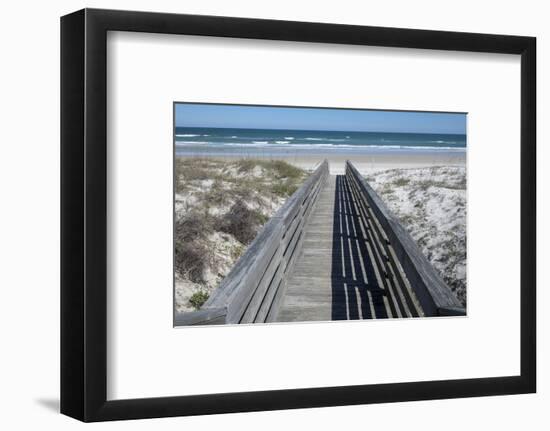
[{"x": 365, "y": 160}]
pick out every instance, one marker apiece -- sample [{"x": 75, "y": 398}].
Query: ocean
[{"x": 218, "y": 141}]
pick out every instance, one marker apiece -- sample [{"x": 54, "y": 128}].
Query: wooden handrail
[
  {"x": 434, "y": 295},
  {"x": 253, "y": 289}
]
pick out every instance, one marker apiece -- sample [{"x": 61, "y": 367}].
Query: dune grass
[{"x": 220, "y": 208}]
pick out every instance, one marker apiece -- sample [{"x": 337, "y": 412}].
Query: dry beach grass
[{"x": 219, "y": 208}]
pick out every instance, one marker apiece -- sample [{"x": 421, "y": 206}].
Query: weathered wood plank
[
  {"x": 391, "y": 281},
  {"x": 274, "y": 267},
  {"x": 272, "y": 297},
  {"x": 296, "y": 250},
  {"x": 209, "y": 316},
  {"x": 312, "y": 265},
  {"x": 267, "y": 302}
]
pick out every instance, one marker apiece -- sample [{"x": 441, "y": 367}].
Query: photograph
[{"x": 300, "y": 214}]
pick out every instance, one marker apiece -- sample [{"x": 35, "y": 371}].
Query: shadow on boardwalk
[{"x": 356, "y": 292}]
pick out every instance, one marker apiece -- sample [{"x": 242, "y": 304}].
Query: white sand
[
  {"x": 431, "y": 205},
  {"x": 370, "y": 162},
  {"x": 379, "y": 162}
]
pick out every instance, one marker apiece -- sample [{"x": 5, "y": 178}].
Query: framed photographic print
[{"x": 262, "y": 215}]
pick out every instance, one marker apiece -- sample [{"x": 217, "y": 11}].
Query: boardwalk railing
[
  {"x": 435, "y": 297},
  {"x": 253, "y": 290}
]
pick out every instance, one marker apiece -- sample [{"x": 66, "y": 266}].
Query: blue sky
[{"x": 266, "y": 117}]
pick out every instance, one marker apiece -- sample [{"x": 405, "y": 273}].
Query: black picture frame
[{"x": 84, "y": 214}]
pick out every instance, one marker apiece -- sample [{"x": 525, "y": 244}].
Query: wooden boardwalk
[
  {"x": 345, "y": 270},
  {"x": 333, "y": 251}
]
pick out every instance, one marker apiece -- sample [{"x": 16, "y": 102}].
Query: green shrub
[{"x": 198, "y": 299}]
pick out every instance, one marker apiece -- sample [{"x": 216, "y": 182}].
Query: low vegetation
[
  {"x": 198, "y": 299},
  {"x": 242, "y": 222},
  {"x": 220, "y": 206}
]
